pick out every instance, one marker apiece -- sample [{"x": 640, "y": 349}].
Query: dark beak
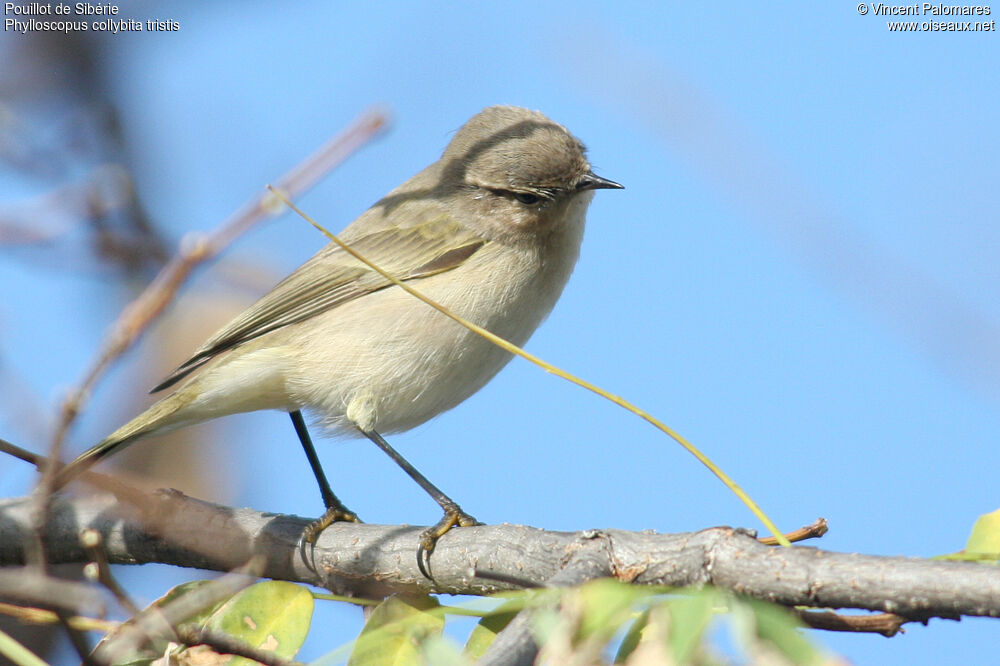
[{"x": 592, "y": 181}]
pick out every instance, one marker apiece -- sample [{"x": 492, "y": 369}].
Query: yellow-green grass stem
[{"x": 548, "y": 367}]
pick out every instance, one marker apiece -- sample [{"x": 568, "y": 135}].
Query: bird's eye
[{"x": 527, "y": 198}]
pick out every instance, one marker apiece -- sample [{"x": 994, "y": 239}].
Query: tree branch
[
  {"x": 589, "y": 558},
  {"x": 377, "y": 560}
]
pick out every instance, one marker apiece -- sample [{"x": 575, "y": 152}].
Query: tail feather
[
  {"x": 158, "y": 418},
  {"x": 89, "y": 458}
]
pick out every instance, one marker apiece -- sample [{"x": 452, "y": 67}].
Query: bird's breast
[{"x": 391, "y": 362}]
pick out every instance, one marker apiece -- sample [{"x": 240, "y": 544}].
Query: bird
[{"x": 491, "y": 230}]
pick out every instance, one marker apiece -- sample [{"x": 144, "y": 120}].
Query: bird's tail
[
  {"x": 89, "y": 458},
  {"x": 158, "y": 418}
]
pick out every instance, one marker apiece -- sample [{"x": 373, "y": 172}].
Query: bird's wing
[{"x": 332, "y": 277}]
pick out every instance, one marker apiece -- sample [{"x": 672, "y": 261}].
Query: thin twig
[
  {"x": 41, "y": 616},
  {"x": 813, "y": 531},
  {"x": 163, "y": 621},
  {"x": 26, "y": 585},
  {"x": 130, "y": 494},
  {"x": 76, "y": 637},
  {"x": 92, "y": 542},
  {"x": 224, "y": 644},
  {"x": 887, "y": 624},
  {"x": 137, "y": 316},
  {"x": 508, "y": 346}
]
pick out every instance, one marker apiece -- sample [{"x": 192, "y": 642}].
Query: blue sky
[{"x": 801, "y": 275}]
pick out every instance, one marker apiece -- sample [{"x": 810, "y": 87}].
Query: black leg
[
  {"x": 453, "y": 514},
  {"x": 335, "y": 509},
  {"x": 329, "y": 499}
]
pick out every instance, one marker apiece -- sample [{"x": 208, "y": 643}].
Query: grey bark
[{"x": 377, "y": 560}]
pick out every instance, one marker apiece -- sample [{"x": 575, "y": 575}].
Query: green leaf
[
  {"x": 690, "y": 616},
  {"x": 271, "y": 615},
  {"x": 179, "y": 591},
  {"x": 485, "y": 632},
  {"x": 776, "y": 626},
  {"x": 606, "y": 605},
  {"x": 156, "y": 648},
  {"x": 984, "y": 541},
  {"x": 395, "y": 630},
  {"x": 985, "y": 537},
  {"x": 632, "y": 637},
  {"x": 442, "y": 652},
  {"x": 544, "y": 624}
]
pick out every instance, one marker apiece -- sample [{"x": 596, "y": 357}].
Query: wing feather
[{"x": 332, "y": 277}]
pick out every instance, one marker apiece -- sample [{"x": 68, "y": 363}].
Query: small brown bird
[{"x": 491, "y": 231}]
